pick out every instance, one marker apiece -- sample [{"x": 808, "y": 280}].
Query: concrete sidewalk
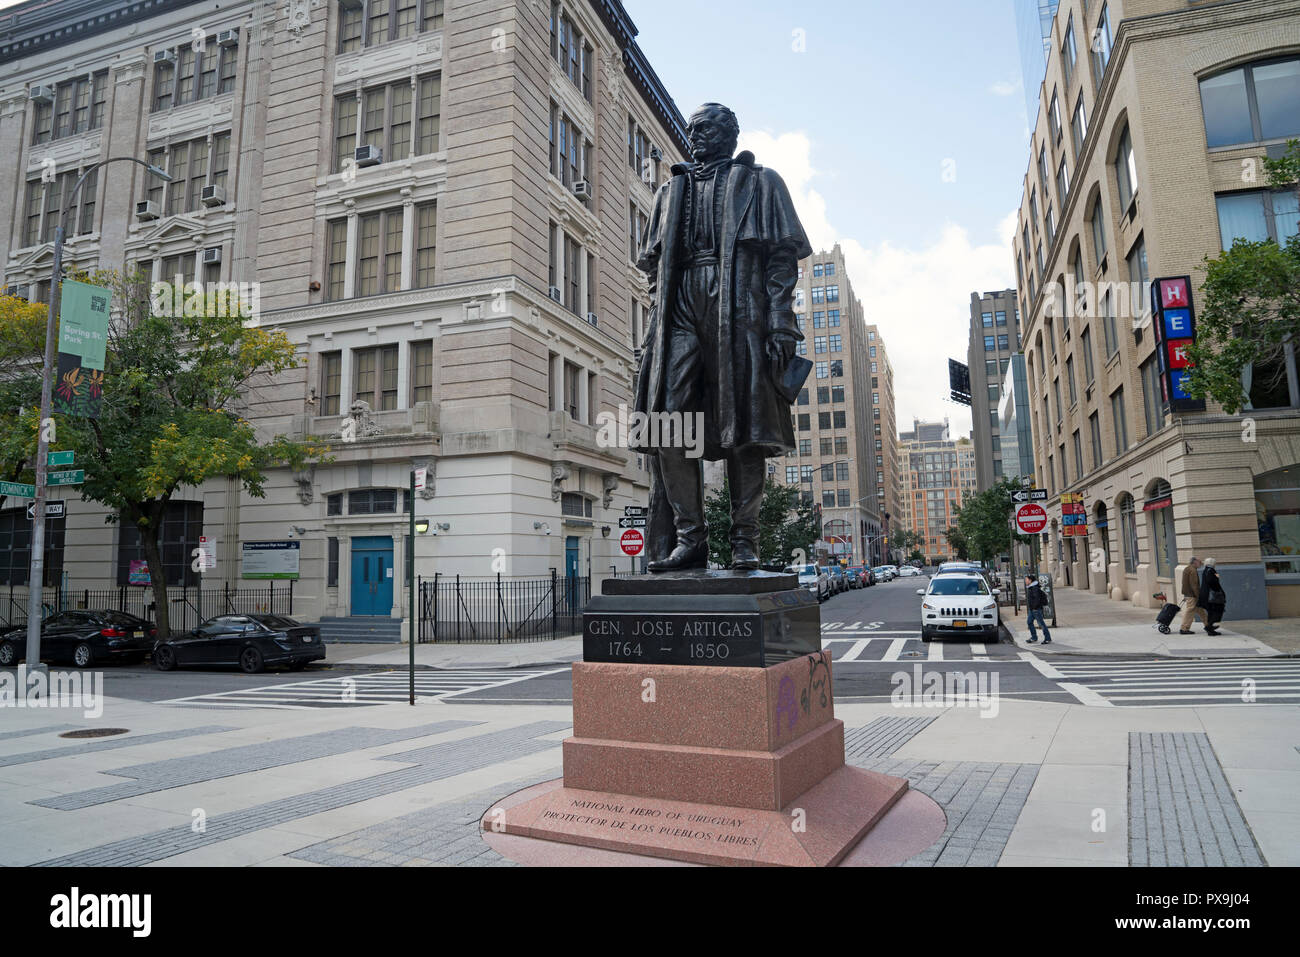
[
  {"x": 1031, "y": 783},
  {"x": 524, "y": 654},
  {"x": 1094, "y": 625}
]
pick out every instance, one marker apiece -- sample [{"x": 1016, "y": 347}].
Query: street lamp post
[{"x": 36, "y": 572}]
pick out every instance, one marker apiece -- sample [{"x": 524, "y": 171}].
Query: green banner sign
[{"x": 83, "y": 322}]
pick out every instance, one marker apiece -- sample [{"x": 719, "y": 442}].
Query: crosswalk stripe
[
  {"x": 895, "y": 649},
  {"x": 858, "y": 648},
  {"x": 935, "y": 650}
]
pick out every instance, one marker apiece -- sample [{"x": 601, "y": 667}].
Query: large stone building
[
  {"x": 1152, "y": 115},
  {"x": 884, "y": 427},
  {"x": 834, "y": 462},
  {"x": 994, "y": 339},
  {"x": 936, "y": 476},
  {"x": 440, "y": 204}
]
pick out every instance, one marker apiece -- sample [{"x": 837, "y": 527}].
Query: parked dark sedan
[
  {"x": 84, "y": 637},
  {"x": 253, "y": 642}
]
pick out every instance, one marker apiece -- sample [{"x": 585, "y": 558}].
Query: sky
[{"x": 900, "y": 130}]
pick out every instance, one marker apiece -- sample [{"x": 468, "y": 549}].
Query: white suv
[{"x": 959, "y": 604}]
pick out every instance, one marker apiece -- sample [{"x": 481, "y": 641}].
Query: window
[
  {"x": 822, "y": 370},
  {"x": 336, "y": 267},
  {"x": 385, "y": 116},
  {"x": 332, "y": 572},
  {"x": 792, "y": 475},
  {"x": 823, "y": 394},
  {"x": 331, "y": 375},
  {"x": 426, "y": 229},
  {"x": 1003, "y": 342},
  {"x": 1160, "y": 507},
  {"x": 1078, "y": 125},
  {"x": 805, "y": 446},
  {"x": 803, "y": 397},
  {"x": 16, "y": 548},
  {"x": 421, "y": 371},
  {"x": 835, "y": 343},
  {"x": 1054, "y": 117},
  {"x": 1085, "y": 347},
  {"x": 832, "y": 293},
  {"x": 78, "y": 106},
  {"x": 373, "y": 501},
  {"x": 830, "y": 269},
  {"x": 1139, "y": 279},
  {"x": 1152, "y": 401},
  {"x": 193, "y": 74},
  {"x": 375, "y": 377},
  {"x": 45, "y": 203},
  {"x": 805, "y": 422},
  {"x": 1001, "y": 317},
  {"x": 571, "y": 50},
  {"x": 350, "y": 26},
  {"x": 1120, "y": 420},
  {"x": 1078, "y": 456},
  {"x": 182, "y": 525},
  {"x": 1056, "y": 391},
  {"x": 989, "y": 343},
  {"x": 819, "y": 344},
  {"x": 1050, "y": 221},
  {"x": 1108, "y": 323},
  {"x": 990, "y": 368},
  {"x": 833, "y": 317},
  {"x": 841, "y": 445},
  {"x": 840, "y": 420},
  {"x": 837, "y": 393},
  {"x": 1069, "y": 52},
  {"x": 986, "y": 319},
  {"x": 1101, "y": 46},
  {"x": 379, "y": 252},
  {"x": 1128, "y": 533},
  {"x": 385, "y": 21},
  {"x": 823, "y": 420},
  {"x": 1125, "y": 170},
  {"x": 1069, "y": 379},
  {"x": 1062, "y": 183},
  {"x": 1259, "y": 101},
  {"x": 1094, "y": 434},
  {"x": 1277, "y": 507},
  {"x": 842, "y": 497},
  {"x": 1258, "y": 215}
]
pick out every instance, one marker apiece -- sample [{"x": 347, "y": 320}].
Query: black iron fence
[
  {"x": 459, "y": 609},
  {"x": 188, "y": 605}
]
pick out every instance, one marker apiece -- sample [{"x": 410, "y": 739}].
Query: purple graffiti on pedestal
[{"x": 785, "y": 703}]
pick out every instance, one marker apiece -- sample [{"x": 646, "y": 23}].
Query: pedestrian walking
[
  {"x": 1211, "y": 597},
  {"x": 1191, "y": 589},
  {"x": 1035, "y": 602}
]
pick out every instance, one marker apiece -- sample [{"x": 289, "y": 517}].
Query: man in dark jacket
[
  {"x": 722, "y": 252},
  {"x": 1035, "y": 602},
  {"x": 1211, "y": 597}
]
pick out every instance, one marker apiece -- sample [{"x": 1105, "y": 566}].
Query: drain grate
[{"x": 94, "y": 733}]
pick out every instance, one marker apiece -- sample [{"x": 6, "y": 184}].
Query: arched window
[
  {"x": 1128, "y": 533},
  {"x": 1160, "y": 506},
  {"x": 1277, "y": 510},
  {"x": 1102, "y": 524},
  {"x": 1251, "y": 103}
]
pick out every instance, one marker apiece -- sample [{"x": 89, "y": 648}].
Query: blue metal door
[
  {"x": 372, "y": 576},
  {"x": 571, "y": 566}
]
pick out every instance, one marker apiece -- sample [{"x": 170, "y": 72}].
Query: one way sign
[
  {"x": 1029, "y": 495},
  {"x": 53, "y": 509},
  {"x": 631, "y": 522}
]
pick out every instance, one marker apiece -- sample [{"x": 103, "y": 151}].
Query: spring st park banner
[{"x": 83, "y": 336}]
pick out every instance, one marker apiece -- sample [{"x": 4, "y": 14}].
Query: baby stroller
[{"x": 1167, "y": 613}]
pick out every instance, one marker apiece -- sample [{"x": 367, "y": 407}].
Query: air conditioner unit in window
[
  {"x": 592, "y": 318},
  {"x": 212, "y": 256},
  {"x": 228, "y": 38},
  {"x": 554, "y": 293},
  {"x": 368, "y": 155},
  {"x": 41, "y": 94},
  {"x": 656, "y": 153},
  {"x": 164, "y": 56},
  {"x": 146, "y": 209},
  {"x": 582, "y": 189},
  {"x": 213, "y": 195}
]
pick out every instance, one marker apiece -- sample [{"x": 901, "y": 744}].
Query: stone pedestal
[{"x": 700, "y": 762}]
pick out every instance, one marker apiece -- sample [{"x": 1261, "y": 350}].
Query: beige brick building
[
  {"x": 834, "y": 462},
  {"x": 440, "y": 204},
  {"x": 884, "y": 425},
  {"x": 1153, "y": 117},
  {"x": 936, "y": 476}
]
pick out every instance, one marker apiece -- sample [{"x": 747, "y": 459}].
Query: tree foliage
[
  {"x": 787, "y": 525},
  {"x": 1250, "y": 306},
  {"x": 982, "y": 522},
  {"x": 174, "y": 387}
]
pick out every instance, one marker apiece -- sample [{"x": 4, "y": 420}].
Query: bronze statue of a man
[{"x": 722, "y": 251}]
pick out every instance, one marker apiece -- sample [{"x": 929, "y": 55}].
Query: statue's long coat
[{"x": 761, "y": 243}]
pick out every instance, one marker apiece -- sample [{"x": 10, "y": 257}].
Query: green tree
[
  {"x": 958, "y": 541},
  {"x": 982, "y": 521},
  {"x": 1250, "y": 306},
  {"x": 786, "y": 524},
  {"x": 170, "y": 416}
]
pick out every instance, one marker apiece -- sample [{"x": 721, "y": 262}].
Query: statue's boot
[
  {"x": 684, "y": 489},
  {"x": 745, "y": 476}
]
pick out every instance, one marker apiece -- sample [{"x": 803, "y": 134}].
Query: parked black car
[
  {"x": 251, "y": 641},
  {"x": 84, "y": 637}
]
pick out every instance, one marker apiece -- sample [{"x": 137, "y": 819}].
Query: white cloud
[
  {"x": 1004, "y": 88},
  {"x": 918, "y": 298}
]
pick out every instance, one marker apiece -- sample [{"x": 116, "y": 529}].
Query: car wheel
[
  {"x": 164, "y": 658},
  {"x": 8, "y": 653},
  {"x": 83, "y": 656},
  {"x": 250, "y": 660}
]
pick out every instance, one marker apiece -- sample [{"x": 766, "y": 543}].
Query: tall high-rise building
[
  {"x": 440, "y": 204},
  {"x": 936, "y": 476},
  {"x": 834, "y": 463},
  {"x": 994, "y": 339},
  {"x": 1135, "y": 176},
  {"x": 1033, "y": 33},
  {"x": 885, "y": 465}
]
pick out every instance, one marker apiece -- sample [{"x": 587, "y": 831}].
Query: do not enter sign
[
  {"x": 632, "y": 541},
  {"x": 1031, "y": 518}
]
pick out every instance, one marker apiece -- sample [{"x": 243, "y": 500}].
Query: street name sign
[
  {"x": 58, "y": 458},
  {"x": 70, "y": 477},
  {"x": 18, "y": 489}
]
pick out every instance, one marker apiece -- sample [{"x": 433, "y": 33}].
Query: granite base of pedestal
[{"x": 705, "y": 764}]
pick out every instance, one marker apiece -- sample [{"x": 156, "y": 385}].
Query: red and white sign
[
  {"x": 632, "y": 542},
  {"x": 1031, "y": 518},
  {"x": 1173, "y": 293}
]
